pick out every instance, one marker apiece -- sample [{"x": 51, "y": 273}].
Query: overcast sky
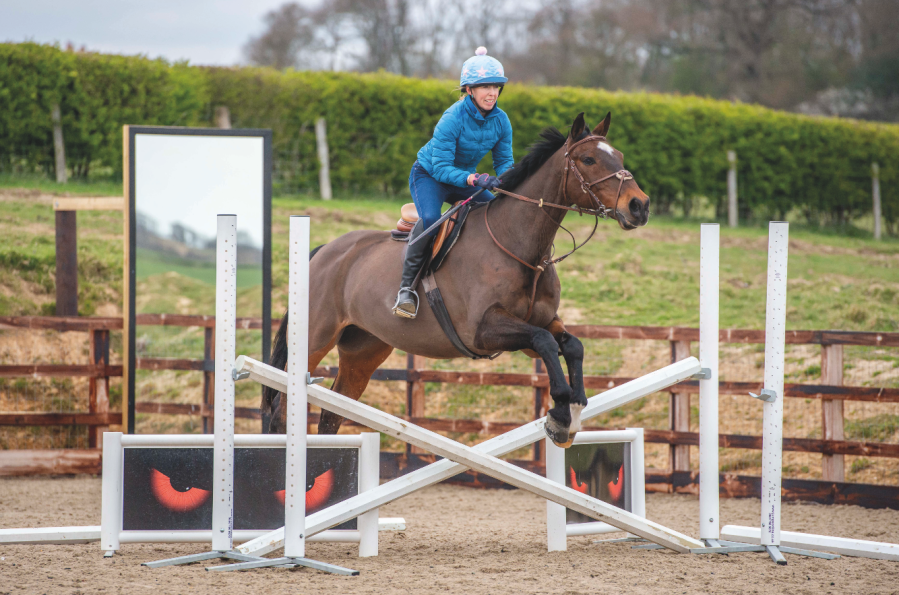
[{"x": 202, "y": 31}]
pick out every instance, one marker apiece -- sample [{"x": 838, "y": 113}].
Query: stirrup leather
[{"x": 396, "y": 306}]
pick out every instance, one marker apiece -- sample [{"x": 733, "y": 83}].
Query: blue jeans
[{"x": 429, "y": 194}]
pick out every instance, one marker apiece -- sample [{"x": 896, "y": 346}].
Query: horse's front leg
[
  {"x": 501, "y": 331},
  {"x": 572, "y": 350}
]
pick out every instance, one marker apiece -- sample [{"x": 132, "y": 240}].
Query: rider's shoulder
[{"x": 452, "y": 114}]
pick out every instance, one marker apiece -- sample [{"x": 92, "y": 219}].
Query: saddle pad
[
  {"x": 446, "y": 235},
  {"x": 450, "y": 231}
]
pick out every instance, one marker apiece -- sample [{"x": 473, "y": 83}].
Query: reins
[{"x": 601, "y": 211}]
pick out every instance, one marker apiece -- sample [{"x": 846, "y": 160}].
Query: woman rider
[{"x": 445, "y": 169}]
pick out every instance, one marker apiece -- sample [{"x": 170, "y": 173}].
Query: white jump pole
[
  {"x": 441, "y": 470},
  {"x": 708, "y": 386},
  {"x": 474, "y": 458},
  {"x": 775, "y": 341}
]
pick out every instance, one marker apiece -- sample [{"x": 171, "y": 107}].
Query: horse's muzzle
[{"x": 637, "y": 214}]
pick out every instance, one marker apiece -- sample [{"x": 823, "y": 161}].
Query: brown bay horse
[{"x": 353, "y": 280}]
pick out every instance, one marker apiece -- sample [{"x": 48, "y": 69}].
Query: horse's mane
[{"x": 551, "y": 140}]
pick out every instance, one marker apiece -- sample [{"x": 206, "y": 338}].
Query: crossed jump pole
[{"x": 458, "y": 457}]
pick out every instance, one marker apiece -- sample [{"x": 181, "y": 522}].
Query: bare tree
[
  {"x": 780, "y": 53},
  {"x": 289, "y": 30}
]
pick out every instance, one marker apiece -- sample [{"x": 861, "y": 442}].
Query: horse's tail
[{"x": 278, "y": 360}]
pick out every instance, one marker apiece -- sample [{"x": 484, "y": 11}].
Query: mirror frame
[{"x": 130, "y": 237}]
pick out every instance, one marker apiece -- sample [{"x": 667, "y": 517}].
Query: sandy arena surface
[{"x": 458, "y": 540}]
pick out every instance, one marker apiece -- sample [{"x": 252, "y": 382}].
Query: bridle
[
  {"x": 599, "y": 212},
  {"x": 622, "y": 175}
]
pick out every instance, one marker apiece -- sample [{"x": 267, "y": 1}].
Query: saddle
[{"x": 444, "y": 240}]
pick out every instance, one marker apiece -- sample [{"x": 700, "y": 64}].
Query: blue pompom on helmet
[{"x": 481, "y": 69}]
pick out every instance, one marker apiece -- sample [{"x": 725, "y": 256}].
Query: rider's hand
[{"x": 485, "y": 181}]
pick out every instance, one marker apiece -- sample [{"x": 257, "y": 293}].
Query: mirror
[{"x": 177, "y": 181}]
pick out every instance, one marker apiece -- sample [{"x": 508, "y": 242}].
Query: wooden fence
[{"x": 831, "y": 393}]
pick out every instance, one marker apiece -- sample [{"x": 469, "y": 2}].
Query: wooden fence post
[
  {"x": 875, "y": 193},
  {"x": 732, "y": 213},
  {"x": 541, "y": 407},
  {"x": 208, "y": 380},
  {"x": 223, "y": 117},
  {"x": 679, "y": 414},
  {"x": 324, "y": 171},
  {"x": 59, "y": 146},
  {"x": 66, "y": 263},
  {"x": 415, "y": 394},
  {"x": 832, "y": 466},
  {"x": 98, "y": 385}
]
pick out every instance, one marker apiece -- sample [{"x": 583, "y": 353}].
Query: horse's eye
[{"x": 588, "y": 160}]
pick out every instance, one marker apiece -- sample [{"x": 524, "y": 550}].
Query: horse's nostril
[{"x": 635, "y": 207}]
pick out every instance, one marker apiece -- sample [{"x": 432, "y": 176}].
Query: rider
[{"x": 445, "y": 169}]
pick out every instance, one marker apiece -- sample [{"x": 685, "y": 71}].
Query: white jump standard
[
  {"x": 297, "y": 383},
  {"x": 769, "y": 535},
  {"x": 709, "y": 250},
  {"x": 223, "y": 444}
]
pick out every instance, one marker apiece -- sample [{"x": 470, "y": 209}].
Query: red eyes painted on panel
[
  {"x": 173, "y": 499},
  {"x": 318, "y": 494},
  {"x": 580, "y": 487},
  {"x": 615, "y": 488}
]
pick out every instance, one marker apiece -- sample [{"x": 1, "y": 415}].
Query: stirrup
[{"x": 396, "y": 306}]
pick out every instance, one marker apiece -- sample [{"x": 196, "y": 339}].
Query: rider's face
[{"x": 484, "y": 96}]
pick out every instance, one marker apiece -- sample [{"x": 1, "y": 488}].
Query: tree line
[{"x": 831, "y": 57}]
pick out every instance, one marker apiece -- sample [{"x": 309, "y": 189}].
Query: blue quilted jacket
[{"x": 461, "y": 139}]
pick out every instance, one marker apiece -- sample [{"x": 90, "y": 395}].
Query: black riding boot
[{"x": 406, "y": 305}]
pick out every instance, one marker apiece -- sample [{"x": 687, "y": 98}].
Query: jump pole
[
  {"x": 436, "y": 472},
  {"x": 708, "y": 384},
  {"x": 223, "y": 442},
  {"x": 465, "y": 456}
]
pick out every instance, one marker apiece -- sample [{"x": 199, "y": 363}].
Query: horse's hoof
[
  {"x": 569, "y": 442},
  {"x": 558, "y": 433}
]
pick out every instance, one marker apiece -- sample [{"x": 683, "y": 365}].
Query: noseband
[{"x": 601, "y": 211}]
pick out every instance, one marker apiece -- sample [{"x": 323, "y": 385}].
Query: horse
[{"x": 497, "y": 304}]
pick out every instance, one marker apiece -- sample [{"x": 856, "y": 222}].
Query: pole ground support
[
  {"x": 202, "y": 557},
  {"x": 253, "y": 562}
]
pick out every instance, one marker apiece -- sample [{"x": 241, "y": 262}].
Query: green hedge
[
  {"x": 97, "y": 94},
  {"x": 675, "y": 146}
]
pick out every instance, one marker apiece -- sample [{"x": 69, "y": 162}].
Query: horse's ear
[
  {"x": 602, "y": 129},
  {"x": 577, "y": 127}
]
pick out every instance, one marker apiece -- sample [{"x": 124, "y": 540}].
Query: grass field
[{"x": 650, "y": 276}]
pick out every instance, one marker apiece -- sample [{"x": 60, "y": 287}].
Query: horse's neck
[{"x": 523, "y": 228}]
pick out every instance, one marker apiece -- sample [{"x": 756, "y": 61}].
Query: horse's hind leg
[
  {"x": 501, "y": 331},
  {"x": 572, "y": 350},
  {"x": 360, "y": 355}
]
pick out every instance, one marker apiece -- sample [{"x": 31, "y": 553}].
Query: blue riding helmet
[{"x": 481, "y": 69}]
